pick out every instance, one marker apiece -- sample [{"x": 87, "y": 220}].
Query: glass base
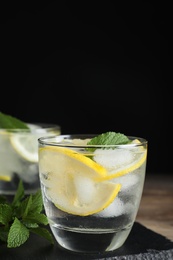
[{"x": 90, "y": 242}]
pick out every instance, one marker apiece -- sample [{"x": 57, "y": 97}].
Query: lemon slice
[
  {"x": 69, "y": 178},
  {"x": 26, "y": 146},
  {"x": 121, "y": 160},
  {"x": 5, "y": 178}
]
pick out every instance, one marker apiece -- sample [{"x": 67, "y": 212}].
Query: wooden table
[{"x": 156, "y": 208}]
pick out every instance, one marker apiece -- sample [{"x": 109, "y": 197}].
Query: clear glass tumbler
[
  {"x": 19, "y": 156},
  {"x": 91, "y": 193}
]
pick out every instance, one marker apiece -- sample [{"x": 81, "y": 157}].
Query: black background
[{"x": 91, "y": 67}]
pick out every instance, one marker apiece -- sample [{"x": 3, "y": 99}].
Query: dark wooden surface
[{"x": 156, "y": 208}]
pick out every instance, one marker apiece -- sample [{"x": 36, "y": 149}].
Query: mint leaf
[
  {"x": 3, "y": 233},
  {"x": 29, "y": 224},
  {"x": 3, "y": 199},
  {"x": 108, "y": 138},
  {"x": 21, "y": 216},
  {"x": 37, "y": 202},
  {"x": 10, "y": 122},
  {"x": 18, "y": 234},
  {"x": 36, "y": 218},
  {"x": 25, "y": 207},
  {"x": 5, "y": 214},
  {"x": 19, "y": 195},
  {"x": 44, "y": 233}
]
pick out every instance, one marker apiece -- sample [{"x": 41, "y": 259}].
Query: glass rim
[
  {"x": 41, "y": 127},
  {"x": 62, "y": 141}
]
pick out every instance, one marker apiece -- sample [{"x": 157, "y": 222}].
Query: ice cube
[
  {"x": 113, "y": 158},
  {"x": 127, "y": 181},
  {"x": 28, "y": 172},
  {"x": 116, "y": 208},
  {"x": 85, "y": 189},
  {"x": 9, "y": 162}
]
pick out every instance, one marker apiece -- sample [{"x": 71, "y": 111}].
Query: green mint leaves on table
[
  {"x": 10, "y": 122},
  {"x": 108, "y": 138},
  {"x": 22, "y": 216}
]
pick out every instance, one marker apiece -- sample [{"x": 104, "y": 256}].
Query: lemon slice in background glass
[
  {"x": 69, "y": 178},
  {"x": 5, "y": 178},
  {"x": 25, "y": 144}
]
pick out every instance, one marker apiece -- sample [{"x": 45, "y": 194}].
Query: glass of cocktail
[
  {"x": 92, "y": 187},
  {"x": 19, "y": 156}
]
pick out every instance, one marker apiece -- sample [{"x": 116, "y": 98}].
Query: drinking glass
[
  {"x": 19, "y": 156},
  {"x": 91, "y": 193}
]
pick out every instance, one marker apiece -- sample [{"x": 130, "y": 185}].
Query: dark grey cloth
[
  {"x": 151, "y": 255},
  {"x": 142, "y": 244}
]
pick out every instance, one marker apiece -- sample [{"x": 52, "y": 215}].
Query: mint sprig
[
  {"x": 108, "y": 138},
  {"x": 21, "y": 216},
  {"x": 10, "y": 122}
]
